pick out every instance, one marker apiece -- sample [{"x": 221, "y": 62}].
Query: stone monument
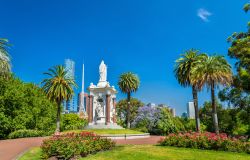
[{"x": 102, "y": 99}]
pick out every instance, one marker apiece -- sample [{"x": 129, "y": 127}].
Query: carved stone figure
[
  {"x": 99, "y": 108},
  {"x": 103, "y": 72}
]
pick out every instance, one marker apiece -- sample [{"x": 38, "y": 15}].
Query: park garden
[{"x": 217, "y": 132}]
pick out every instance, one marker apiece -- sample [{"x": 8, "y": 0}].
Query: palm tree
[
  {"x": 183, "y": 73},
  {"x": 212, "y": 72},
  {"x": 128, "y": 83},
  {"x": 58, "y": 87},
  {"x": 5, "y": 66}
]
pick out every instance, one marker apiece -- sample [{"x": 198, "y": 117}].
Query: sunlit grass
[
  {"x": 34, "y": 153},
  {"x": 150, "y": 152}
]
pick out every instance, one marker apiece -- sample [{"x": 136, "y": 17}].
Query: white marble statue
[
  {"x": 103, "y": 72},
  {"x": 99, "y": 109}
]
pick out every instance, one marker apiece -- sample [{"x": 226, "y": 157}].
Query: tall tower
[
  {"x": 81, "y": 98},
  {"x": 70, "y": 69}
]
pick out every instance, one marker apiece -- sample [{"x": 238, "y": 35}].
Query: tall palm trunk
[
  {"x": 58, "y": 115},
  {"x": 214, "y": 110},
  {"x": 195, "y": 99},
  {"x": 128, "y": 110}
]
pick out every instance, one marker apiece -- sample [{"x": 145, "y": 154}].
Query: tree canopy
[{"x": 24, "y": 106}]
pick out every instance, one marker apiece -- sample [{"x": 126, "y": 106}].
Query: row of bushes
[
  {"x": 69, "y": 122},
  {"x": 26, "y": 133},
  {"x": 207, "y": 140},
  {"x": 74, "y": 145},
  {"x": 157, "y": 120}
]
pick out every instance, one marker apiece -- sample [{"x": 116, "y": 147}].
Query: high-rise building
[
  {"x": 70, "y": 69},
  {"x": 190, "y": 110},
  {"x": 172, "y": 111}
]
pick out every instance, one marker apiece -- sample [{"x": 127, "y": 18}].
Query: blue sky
[{"x": 141, "y": 36}]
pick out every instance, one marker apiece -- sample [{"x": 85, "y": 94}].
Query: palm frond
[
  {"x": 184, "y": 66},
  {"x": 58, "y": 86},
  {"x": 128, "y": 82},
  {"x": 213, "y": 69}
]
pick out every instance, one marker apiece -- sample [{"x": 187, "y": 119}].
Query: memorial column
[
  {"x": 107, "y": 109},
  {"x": 90, "y": 109}
]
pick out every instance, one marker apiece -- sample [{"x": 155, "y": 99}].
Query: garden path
[{"x": 11, "y": 149}]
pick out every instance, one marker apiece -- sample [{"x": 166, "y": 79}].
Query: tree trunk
[
  {"x": 58, "y": 116},
  {"x": 128, "y": 110},
  {"x": 195, "y": 99},
  {"x": 214, "y": 111}
]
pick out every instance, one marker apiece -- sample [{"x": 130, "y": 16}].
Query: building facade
[
  {"x": 70, "y": 68},
  {"x": 190, "y": 110},
  {"x": 172, "y": 111}
]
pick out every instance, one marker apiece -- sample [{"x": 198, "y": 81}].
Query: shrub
[
  {"x": 156, "y": 120},
  {"x": 207, "y": 140},
  {"x": 146, "y": 119},
  {"x": 167, "y": 123},
  {"x": 72, "y": 145},
  {"x": 25, "y": 133},
  {"x": 72, "y": 121},
  {"x": 189, "y": 124}
]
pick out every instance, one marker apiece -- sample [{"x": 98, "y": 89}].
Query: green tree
[
  {"x": 121, "y": 110},
  {"x": 237, "y": 95},
  {"x": 24, "y": 106},
  {"x": 5, "y": 66},
  {"x": 183, "y": 72},
  {"x": 233, "y": 121},
  {"x": 167, "y": 123},
  {"x": 240, "y": 46},
  {"x": 58, "y": 87},
  {"x": 128, "y": 83},
  {"x": 213, "y": 71},
  {"x": 246, "y": 7}
]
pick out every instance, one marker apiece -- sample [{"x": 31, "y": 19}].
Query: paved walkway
[{"x": 10, "y": 149}]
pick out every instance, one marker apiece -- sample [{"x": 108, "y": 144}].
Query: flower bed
[
  {"x": 206, "y": 140},
  {"x": 73, "y": 145}
]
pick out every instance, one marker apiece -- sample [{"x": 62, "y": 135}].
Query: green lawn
[
  {"x": 149, "y": 152},
  {"x": 108, "y": 131},
  {"x": 33, "y": 153}
]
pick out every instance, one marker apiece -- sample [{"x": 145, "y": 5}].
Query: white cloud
[{"x": 203, "y": 14}]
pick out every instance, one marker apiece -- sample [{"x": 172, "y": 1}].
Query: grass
[
  {"x": 108, "y": 131},
  {"x": 34, "y": 153},
  {"x": 149, "y": 152}
]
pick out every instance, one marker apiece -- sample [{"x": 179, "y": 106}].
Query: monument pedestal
[
  {"x": 103, "y": 126},
  {"x": 101, "y": 108}
]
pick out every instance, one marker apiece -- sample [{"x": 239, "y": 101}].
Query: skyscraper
[
  {"x": 172, "y": 111},
  {"x": 190, "y": 110},
  {"x": 70, "y": 68}
]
